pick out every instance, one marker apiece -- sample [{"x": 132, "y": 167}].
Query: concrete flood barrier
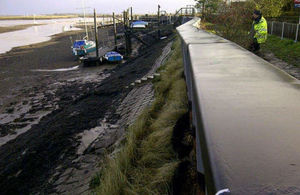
[{"x": 246, "y": 113}]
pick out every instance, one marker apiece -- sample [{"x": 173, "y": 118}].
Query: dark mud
[{"x": 74, "y": 104}]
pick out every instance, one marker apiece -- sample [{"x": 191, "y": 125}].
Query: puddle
[
  {"x": 7, "y": 138},
  {"x": 56, "y": 70},
  {"x": 88, "y": 137}
]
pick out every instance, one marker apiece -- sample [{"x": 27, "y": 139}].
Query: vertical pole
[
  {"x": 124, "y": 25},
  {"x": 103, "y": 19},
  {"x": 96, "y": 34},
  {"x": 272, "y": 27},
  {"x": 86, "y": 32},
  {"x": 127, "y": 47},
  {"x": 158, "y": 21},
  {"x": 282, "y": 31},
  {"x": 297, "y": 32},
  {"x": 128, "y": 34},
  {"x": 124, "y": 20},
  {"x": 131, "y": 18},
  {"x": 115, "y": 30},
  {"x": 299, "y": 16}
]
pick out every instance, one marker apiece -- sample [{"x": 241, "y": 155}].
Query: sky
[{"x": 29, "y": 7}]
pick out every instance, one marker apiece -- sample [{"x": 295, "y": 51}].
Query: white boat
[{"x": 83, "y": 46}]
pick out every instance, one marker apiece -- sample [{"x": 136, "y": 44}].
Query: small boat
[
  {"x": 83, "y": 47},
  {"x": 113, "y": 56},
  {"x": 139, "y": 24}
]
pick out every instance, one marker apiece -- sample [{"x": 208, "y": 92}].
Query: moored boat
[
  {"x": 83, "y": 47},
  {"x": 113, "y": 56}
]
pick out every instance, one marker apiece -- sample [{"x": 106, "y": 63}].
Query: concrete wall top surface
[{"x": 250, "y": 114}]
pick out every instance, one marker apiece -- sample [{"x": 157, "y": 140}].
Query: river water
[{"x": 36, "y": 34}]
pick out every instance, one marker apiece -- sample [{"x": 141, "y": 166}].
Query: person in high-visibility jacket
[{"x": 260, "y": 30}]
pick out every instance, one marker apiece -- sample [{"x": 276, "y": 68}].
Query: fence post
[
  {"x": 282, "y": 31},
  {"x": 296, "y": 38},
  {"x": 272, "y": 27}
]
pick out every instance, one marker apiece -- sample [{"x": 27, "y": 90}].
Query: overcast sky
[{"x": 23, "y": 7}]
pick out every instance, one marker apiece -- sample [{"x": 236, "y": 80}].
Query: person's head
[{"x": 256, "y": 14}]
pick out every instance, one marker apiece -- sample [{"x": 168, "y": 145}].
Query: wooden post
[
  {"x": 96, "y": 34},
  {"x": 124, "y": 20},
  {"x": 297, "y": 32},
  {"x": 131, "y": 18},
  {"x": 115, "y": 31},
  {"x": 158, "y": 22},
  {"x": 272, "y": 27},
  {"x": 127, "y": 34},
  {"x": 282, "y": 31}
]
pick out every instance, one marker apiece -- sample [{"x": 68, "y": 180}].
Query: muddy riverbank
[
  {"x": 55, "y": 110},
  {"x": 15, "y": 28}
]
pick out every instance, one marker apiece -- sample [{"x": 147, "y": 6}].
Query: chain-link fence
[{"x": 284, "y": 30}]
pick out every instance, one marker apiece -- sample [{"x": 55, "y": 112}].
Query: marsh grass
[{"x": 146, "y": 163}]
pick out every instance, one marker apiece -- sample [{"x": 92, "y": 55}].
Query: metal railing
[
  {"x": 186, "y": 11},
  {"x": 284, "y": 30}
]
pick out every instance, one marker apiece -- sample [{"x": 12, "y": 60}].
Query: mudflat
[
  {"x": 17, "y": 27},
  {"x": 43, "y": 109}
]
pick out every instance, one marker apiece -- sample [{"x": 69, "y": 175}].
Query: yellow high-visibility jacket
[{"x": 261, "y": 30}]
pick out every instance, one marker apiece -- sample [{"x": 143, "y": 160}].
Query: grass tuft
[
  {"x": 146, "y": 163},
  {"x": 286, "y": 49}
]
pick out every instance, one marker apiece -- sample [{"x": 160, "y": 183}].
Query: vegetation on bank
[
  {"x": 274, "y": 8},
  {"x": 286, "y": 49},
  {"x": 147, "y": 162},
  {"x": 234, "y": 21}
]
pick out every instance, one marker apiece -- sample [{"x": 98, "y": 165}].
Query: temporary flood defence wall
[{"x": 246, "y": 113}]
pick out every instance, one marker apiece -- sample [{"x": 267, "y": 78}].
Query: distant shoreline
[{"x": 47, "y": 17}]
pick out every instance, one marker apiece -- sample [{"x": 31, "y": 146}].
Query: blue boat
[
  {"x": 83, "y": 47},
  {"x": 139, "y": 24},
  {"x": 113, "y": 56}
]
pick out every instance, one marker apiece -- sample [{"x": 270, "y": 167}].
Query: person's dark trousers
[{"x": 255, "y": 47}]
